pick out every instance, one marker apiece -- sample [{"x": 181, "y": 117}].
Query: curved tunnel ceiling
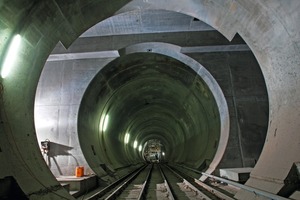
[{"x": 148, "y": 95}]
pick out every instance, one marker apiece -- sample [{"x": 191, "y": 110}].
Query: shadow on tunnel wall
[{"x": 55, "y": 150}]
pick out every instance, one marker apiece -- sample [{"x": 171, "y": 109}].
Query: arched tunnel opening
[
  {"x": 266, "y": 27},
  {"x": 147, "y": 91},
  {"x": 142, "y": 96},
  {"x": 154, "y": 151}
]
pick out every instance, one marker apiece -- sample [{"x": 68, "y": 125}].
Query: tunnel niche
[{"x": 143, "y": 96}]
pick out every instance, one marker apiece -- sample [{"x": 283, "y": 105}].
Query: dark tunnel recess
[{"x": 142, "y": 97}]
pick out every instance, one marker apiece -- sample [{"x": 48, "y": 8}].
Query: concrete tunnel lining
[
  {"x": 273, "y": 46},
  {"x": 64, "y": 110},
  {"x": 174, "y": 52},
  {"x": 92, "y": 94}
]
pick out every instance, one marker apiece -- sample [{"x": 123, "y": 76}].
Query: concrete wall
[
  {"x": 241, "y": 80},
  {"x": 58, "y": 97},
  {"x": 63, "y": 83}
]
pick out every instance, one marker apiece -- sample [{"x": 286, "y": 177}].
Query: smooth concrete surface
[
  {"x": 270, "y": 28},
  {"x": 78, "y": 185},
  {"x": 57, "y": 102},
  {"x": 245, "y": 93},
  {"x": 236, "y": 174},
  {"x": 295, "y": 195}
]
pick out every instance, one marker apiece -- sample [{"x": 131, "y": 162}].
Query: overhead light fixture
[
  {"x": 104, "y": 123},
  {"x": 135, "y": 144},
  {"x": 126, "y": 138},
  {"x": 140, "y": 147},
  {"x": 11, "y": 55}
]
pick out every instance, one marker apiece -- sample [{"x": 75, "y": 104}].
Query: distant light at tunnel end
[
  {"x": 135, "y": 144},
  {"x": 11, "y": 56},
  {"x": 140, "y": 148}
]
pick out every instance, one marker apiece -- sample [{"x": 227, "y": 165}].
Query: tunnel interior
[
  {"x": 266, "y": 27},
  {"x": 145, "y": 96},
  {"x": 154, "y": 92}
]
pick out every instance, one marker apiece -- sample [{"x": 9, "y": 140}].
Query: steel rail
[
  {"x": 171, "y": 196},
  {"x": 143, "y": 191},
  {"x": 244, "y": 187},
  {"x": 213, "y": 191},
  {"x": 210, "y": 189},
  {"x": 121, "y": 187},
  {"x": 109, "y": 187},
  {"x": 198, "y": 192}
]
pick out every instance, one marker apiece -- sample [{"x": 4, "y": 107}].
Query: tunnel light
[
  {"x": 135, "y": 144},
  {"x": 163, "y": 153},
  {"x": 140, "y": 147},
  {"x": 126, "y": 139},
  {"x": 104, "y": 123},
  {"x": 11, "y": 55}
]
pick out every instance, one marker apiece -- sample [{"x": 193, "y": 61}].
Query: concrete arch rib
[
  {"x": 216, "y": 14},
  {"x": 174, "y": 52}
]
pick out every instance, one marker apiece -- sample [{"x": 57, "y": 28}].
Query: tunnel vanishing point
[{"x": 216, "y": 82}]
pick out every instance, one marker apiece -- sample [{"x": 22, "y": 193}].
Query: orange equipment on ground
[{"x": 79, "y": 172}]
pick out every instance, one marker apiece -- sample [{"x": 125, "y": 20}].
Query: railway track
[{"x": 157, "y": 181}]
